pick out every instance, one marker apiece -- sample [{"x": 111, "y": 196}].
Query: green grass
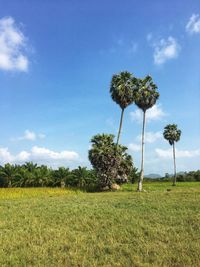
[{"x": 58, "y": 227}]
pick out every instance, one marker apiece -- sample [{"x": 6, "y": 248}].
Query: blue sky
[{"x": 56, "y": 63}]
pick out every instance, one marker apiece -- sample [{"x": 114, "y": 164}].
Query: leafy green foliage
[
  {"x": 172, "y": 133},
  {"x": 146, "y": 93},
  {"x": 122, "y": 88},
  {"x": 134, "y": 175},
  {"x": 192, "y": 176},
  {"x": 110, "y": 161},
  {"x": 32, "y": 175}
]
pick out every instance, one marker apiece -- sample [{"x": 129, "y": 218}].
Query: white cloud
[
  {"x": 136, "y": 115},
  {"x": 167, "y": 153},
  {"x": 40, "y": 155},
  {"x": 44, "y": 153},
  {"x": 134, "y": 147},
  {"x": 12, "y": 46},
  {"x": 23, "y": 156},
  {"x": 30, "y": 136},
  {"x": 150, "y": 137},
  {"x": 165, "y": 50},
  {"x": 5, "y": 155},
  {"x": 152, "y": 114},
  {"x": 193, "y": 25}
]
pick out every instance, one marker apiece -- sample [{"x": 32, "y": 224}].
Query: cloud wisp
[
  {"x": 152, "y": 114},
  {"x": 193, "y": 25},
  {"x": 12, "y": 46},
  {"x": 134, "y": 147},
  {"x": 30, "y": 136},
  {"x": 165, "y": 49},
  {"x": 167, "y": 153},
  {"x": 150, "y": 137}
]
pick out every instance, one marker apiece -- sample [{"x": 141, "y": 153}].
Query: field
[{"x": 58, "y": 227}]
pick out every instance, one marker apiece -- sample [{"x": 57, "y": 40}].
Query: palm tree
[
  {"x": 109, "y": 160},
  {"x": 122, "y": 93},
  {"x": 80, "y": 176},
  {"x": 145, "y": 98},
  {"x": 8, "y": 172},
  {"x": 60, "y": 176},
  {"x": 22, "y": 177},
  {"x": 30, "y": 166},
  {"x": 172, "y": 134}
]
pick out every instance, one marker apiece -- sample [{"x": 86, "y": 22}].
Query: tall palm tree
[
  {"x": 121, "y": 90},
  {"x": 145, "y": 98},
  {"x": 172, "y": 134}
]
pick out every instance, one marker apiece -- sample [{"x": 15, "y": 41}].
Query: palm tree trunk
[
  {"x": 120, "y": 126},
  {"x": 174, "y": 182},
  {"x": 9, "y": 183},
  {"x": 142, "y": 160}
]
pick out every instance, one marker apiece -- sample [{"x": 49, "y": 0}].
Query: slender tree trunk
[
  {"x": 120, "y": 126},
  {"x": 10, "y": 182},
  {"x": 142, "y": 159},
  {"x": 174, "y": 156}
]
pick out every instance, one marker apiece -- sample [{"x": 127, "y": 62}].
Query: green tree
[
  {"x": 80, "y": 176},
  {"x": 60, "y": 176},
  {"x": 27, "y": 174},
  {"x": 121, "y": 90},
  {"x": 21, "y": 178},
  {"x": 172, "y": 134},
  {"x": 145, "y": 97},
  {"x": 44, "y": 175},
  {"x": 134, "y": 175},
  {"x": 30, "y": 166},
  {"x": 8, "y": 172},
  {"x": 109, "y": 160}
]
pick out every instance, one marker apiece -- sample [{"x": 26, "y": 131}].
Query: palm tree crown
[
  {"x": 146, "y": 94},
  {"x": 172, "y": 133},
  {"x": 121, "y": 88},
  {"x": 110, "y": 161}
]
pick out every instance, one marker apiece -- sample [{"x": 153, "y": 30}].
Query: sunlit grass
[
  {"x": 58, "y": 227},
  {"x": 164, "y": 186},
  {"x": 15, "y": 193}
]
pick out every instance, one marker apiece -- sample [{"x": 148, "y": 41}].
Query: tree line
[{"x": 30, "y": 174}]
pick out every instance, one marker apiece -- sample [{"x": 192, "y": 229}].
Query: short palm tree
[
  {"x": 110, "y": 161},
  {"x": 145, "y": 97},
  {"x": 8, "y": 172},
  {"x": 122, "y": 93},
  {"x": 60, "y": 176},
  {"x": 30, "y": 166},
  {"x": 172, "y": 134}
]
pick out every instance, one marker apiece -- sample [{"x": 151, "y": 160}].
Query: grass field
[{"x": 58, "y": 227}]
